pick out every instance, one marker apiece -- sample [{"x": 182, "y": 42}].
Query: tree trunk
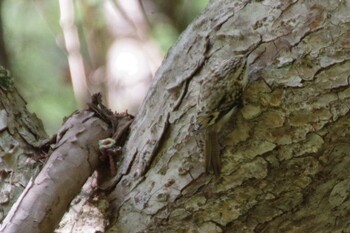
[
  {"x": 283, "y": 152},
  {"x": 21, "y": 134}
]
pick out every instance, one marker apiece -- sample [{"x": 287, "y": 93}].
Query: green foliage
[
  {"x": 31, "y": 30},
  {"x": 165, "y": 35},
  {"x": 179, "y": 14}
]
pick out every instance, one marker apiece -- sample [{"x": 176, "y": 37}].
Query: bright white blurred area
[
  {"x": 129, "y": 73},
  {"x": 132, "y": 58}
]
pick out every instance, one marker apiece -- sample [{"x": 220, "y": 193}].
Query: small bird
[{"x": 219, "y": 99}]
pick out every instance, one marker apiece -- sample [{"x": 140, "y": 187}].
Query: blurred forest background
[{"x": 60, "y": 52}]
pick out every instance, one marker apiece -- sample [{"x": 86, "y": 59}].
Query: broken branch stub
[
  {"x": 46, "y": 198},
  {"x": 74, "y": 158}
]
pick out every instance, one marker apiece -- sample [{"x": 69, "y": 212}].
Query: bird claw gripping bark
[{"x": 218, "y": 100}]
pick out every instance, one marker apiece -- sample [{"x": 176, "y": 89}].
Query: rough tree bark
[
  {"x": 284, "y": 152},
  {"x": 21, "y": 134}
]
